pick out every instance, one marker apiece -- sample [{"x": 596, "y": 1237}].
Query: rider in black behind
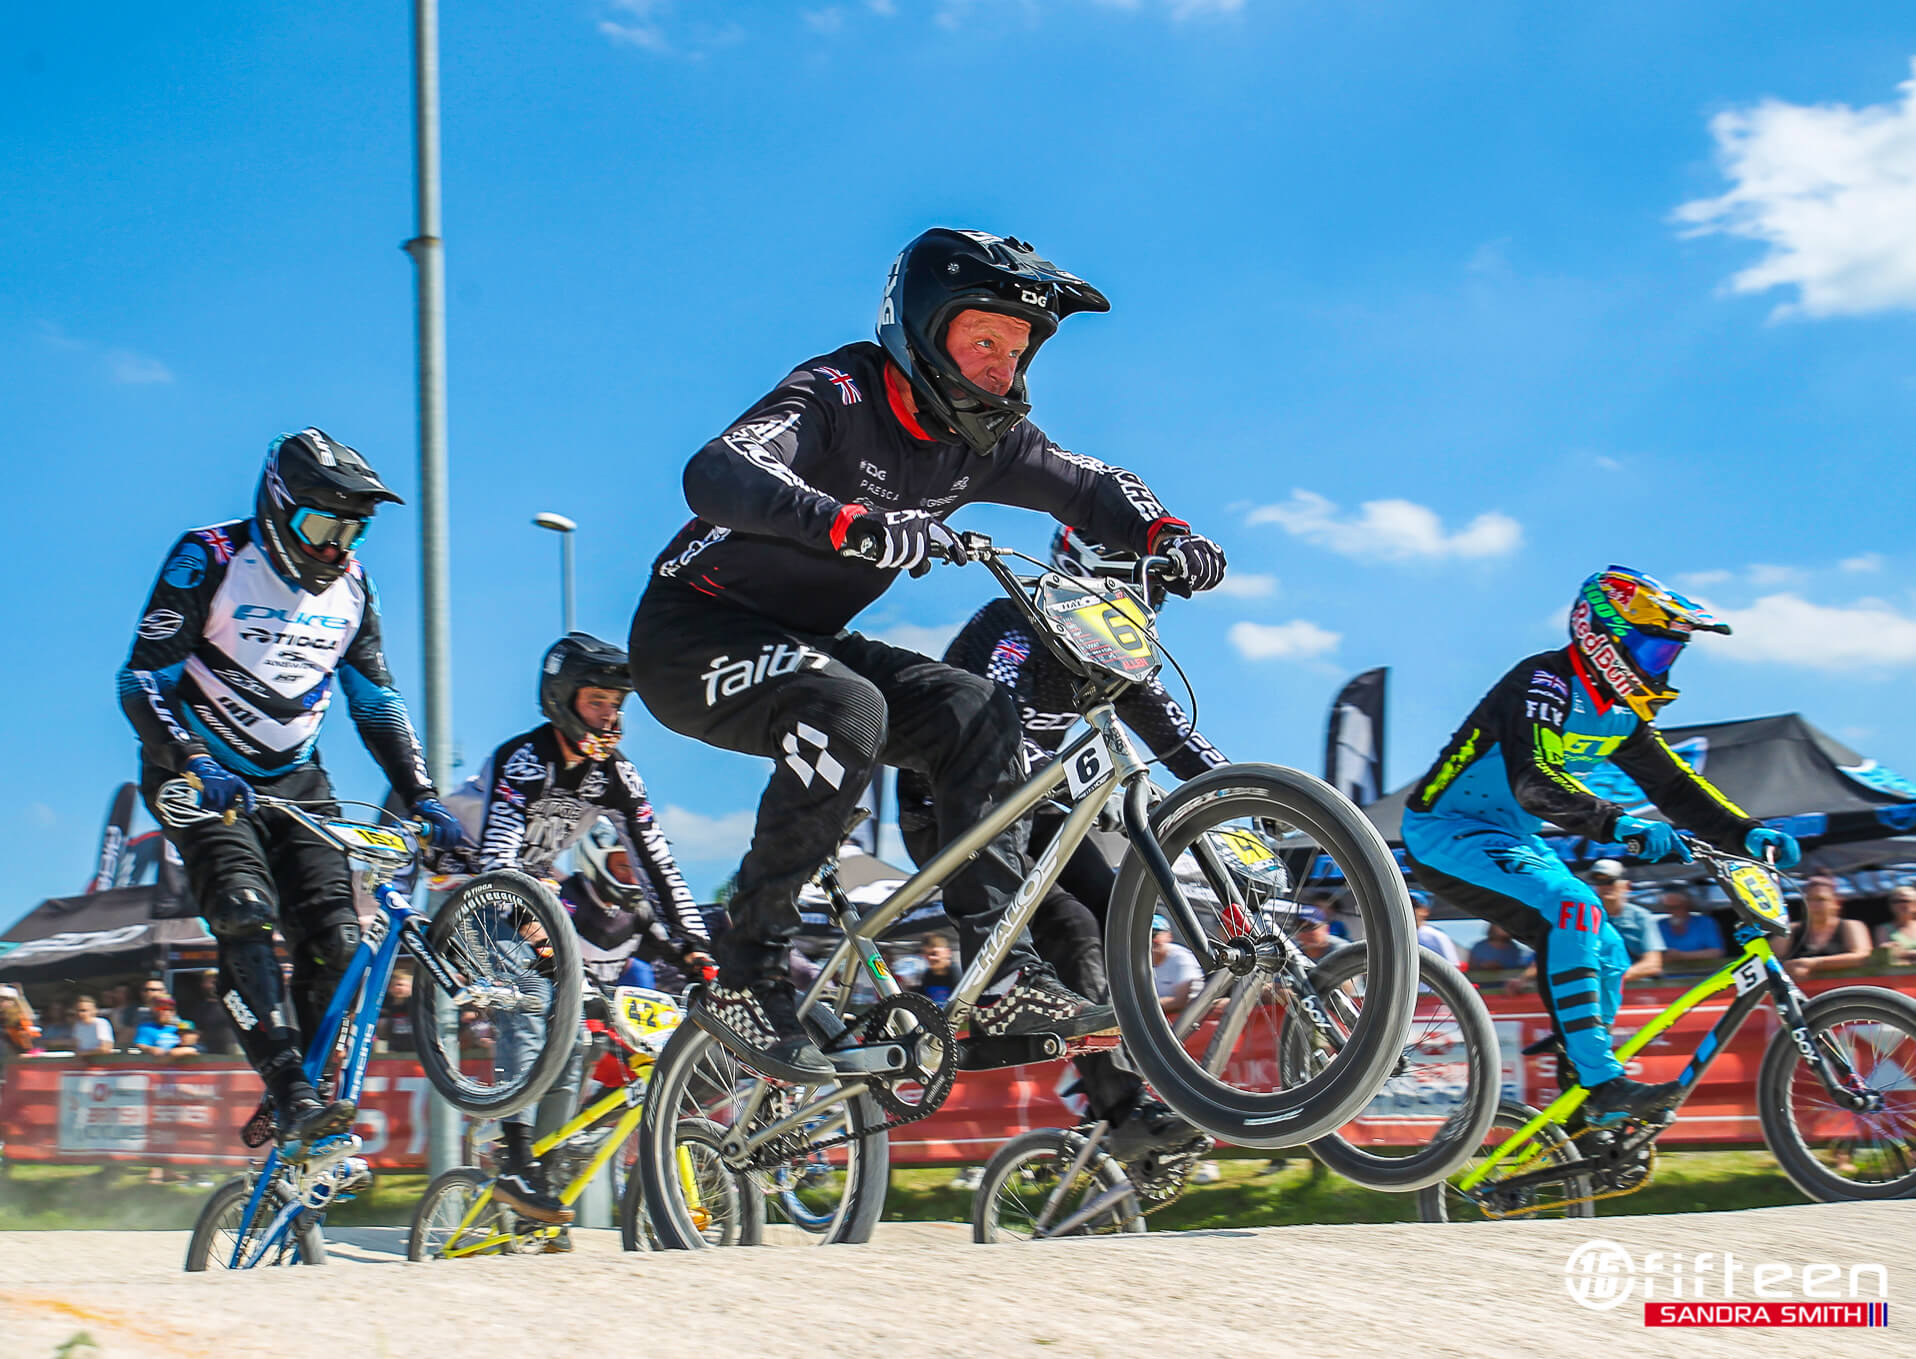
[{"x": 807, "y": 507}]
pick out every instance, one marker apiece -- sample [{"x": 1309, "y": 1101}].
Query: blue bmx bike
[{"x": 499, "y": 945}]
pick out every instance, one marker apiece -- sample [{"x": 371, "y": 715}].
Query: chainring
[{"x": 927, "y": 1034}]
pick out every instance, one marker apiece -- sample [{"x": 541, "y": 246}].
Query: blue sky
[{"x": 1424, "y": 311}]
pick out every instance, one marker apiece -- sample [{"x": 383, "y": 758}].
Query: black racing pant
[
  {"x": 1068, "y": 930},
  {"x": 826, "y": 710},
  {"x": 264, "y": 870}
]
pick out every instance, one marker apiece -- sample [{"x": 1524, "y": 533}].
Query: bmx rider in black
[
  {"x": 806, "y": 509},
  {"x": 248, "y": 631}
]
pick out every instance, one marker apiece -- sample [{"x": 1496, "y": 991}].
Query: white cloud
[
  {"x": 122, "y": 365},
  {"x": 42, "y": 815},
  {"x": 642, "y": 26},
  {"x": 1293, "y": 641},
  {"x": 1869, "y": 634},
  {"x": 1868, "y": 561},
  {"x": 127, "y": 367},
  {"x": 695, "y": 836},
  {"x": 827, "y": 20},
  {"x": 1764, "y": 573},
  {"x": 1246, "y": 585},
  {"x": 1607, "y": 463},
  {"x": 1703, "y": 580},
  {"x": 884, "y": 7},
  {"x": 1831, "y": 190},
  {"x": 927, "y": 639},
  {"x": 1389, "y": 530}
]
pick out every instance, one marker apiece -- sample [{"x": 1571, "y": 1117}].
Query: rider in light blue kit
[{"x": 1471, "y": 824}]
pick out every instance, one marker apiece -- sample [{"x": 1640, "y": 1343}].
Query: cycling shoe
[
  {"x": 1620, "y": 1098},
  {"x": 1037, "y": 1002}
]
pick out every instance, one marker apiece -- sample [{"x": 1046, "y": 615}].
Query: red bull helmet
[{"x": 1626, "y": 631}]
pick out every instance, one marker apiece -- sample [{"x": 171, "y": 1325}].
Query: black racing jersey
[
  {"x": 531, "y": 807},
  {"x": 770, "y": 493},
  {"x": 1515, "y": 761},
  {"x": 997, "y": 643},
  {"x": 234, "y": 661}
]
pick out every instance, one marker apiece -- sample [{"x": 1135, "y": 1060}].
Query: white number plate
[{"x": 1089, "y": 767}]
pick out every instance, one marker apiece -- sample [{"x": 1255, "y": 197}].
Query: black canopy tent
[
  {"x": 1847, "y": 810},
  {"x": 95, "y": 934}
]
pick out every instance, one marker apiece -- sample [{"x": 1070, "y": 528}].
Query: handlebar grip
[{"x": 1633, "y": 846}]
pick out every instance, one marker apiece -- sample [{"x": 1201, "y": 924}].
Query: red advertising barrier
[{"x": 131, "y": 1109}]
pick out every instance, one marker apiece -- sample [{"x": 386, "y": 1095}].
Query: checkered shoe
[
  {"x": 762, "y": 1020},
  {"x": 1037, "y": 1002}
]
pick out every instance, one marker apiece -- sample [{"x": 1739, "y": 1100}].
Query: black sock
[{"x": 518, "y": 1139}]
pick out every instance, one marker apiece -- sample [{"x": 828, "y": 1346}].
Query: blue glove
[
  {"x": 1788, "y": 853},
  {"x": 1200, "y": 564},
  {"x": 220, "y": 788},
  {"x": 443, "y": 830},
  {"x": 1659, "y": 839}
]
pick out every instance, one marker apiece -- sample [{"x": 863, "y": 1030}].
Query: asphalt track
[{"x": 1478, "y": 1291}]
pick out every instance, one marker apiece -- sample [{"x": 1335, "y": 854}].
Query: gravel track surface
[{"x": 1477, "y": 1291}]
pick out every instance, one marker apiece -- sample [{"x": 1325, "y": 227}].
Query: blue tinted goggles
[
  {"x": 316, "y": 528},
  {"x": 1652, "y": 653}
]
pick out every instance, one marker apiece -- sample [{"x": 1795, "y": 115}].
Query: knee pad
[
  {"x": 830, "y": 729},
  {"x": 239, "y": 912},
  {"x": 334, "y": 945},
  {"x": 249, "y": 982}
]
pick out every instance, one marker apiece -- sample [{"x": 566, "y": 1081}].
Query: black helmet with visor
[
  {"x": 945, "y": 272},
  {"x": 315, "y": 499},
  {"x": 577, "y": 661}
]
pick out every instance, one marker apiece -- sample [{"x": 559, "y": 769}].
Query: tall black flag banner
[
  {"x": 1354, "y": 744},
  {"x": 113, "y": 839}
]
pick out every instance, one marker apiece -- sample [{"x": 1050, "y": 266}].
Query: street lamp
[{"x": 565, "y": 528}]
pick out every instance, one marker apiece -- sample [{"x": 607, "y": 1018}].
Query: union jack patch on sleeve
[
  {"x": 216, "y": 539},
  {"x": 848, "y": 392}
]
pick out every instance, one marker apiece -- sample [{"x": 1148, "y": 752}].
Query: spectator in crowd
[
  {"x": 395, "y": 1016},
  {"x": 1826, "y": 941},
  {"x": 56, "y": 1028},
  {"x": 1638, "y": 926},
  {"x": 941, "y": 974},
  {"x": 1498, "y": 952},
  {"x": 1175, "y": 968},
  {"x": 114, "y": 1009},
  {"x": 1428, "y": 935},
  {"x": 140, "y": 1011},
  {"x": 210, "y": 1017},
  {"x": 91, "y": 1032},
  {"x": 1899, "y": 935},
  {"x": 1313, "y": 936},
  {"x": 1327, "y": 903},
  {"x": 906, "y": 966},
  {"x": 1689, "y": 939},
  {"x": 159, "y": 1035},
  {"x": 19, "y": 1035}
]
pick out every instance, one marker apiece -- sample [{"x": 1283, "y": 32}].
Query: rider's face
[
  {"x": 986, "y": 347},
  {"x": 598, "y": 707}
]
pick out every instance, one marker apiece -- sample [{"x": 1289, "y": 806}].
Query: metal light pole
[
  {"x": 435, "y": 569},
  {"x": 565, "y": 528}
]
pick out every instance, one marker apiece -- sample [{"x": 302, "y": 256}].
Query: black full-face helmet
[
  {"x": 577, "y": 661},
  {"x": 315, "y": 500},
  {"x": 945, "y": 272}
]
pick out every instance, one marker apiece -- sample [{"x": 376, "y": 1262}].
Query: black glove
[
  {"x": 898, "y": 540},
  {"x": 1200, "y": 563},
  {"x": 221, "y": 790}
]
